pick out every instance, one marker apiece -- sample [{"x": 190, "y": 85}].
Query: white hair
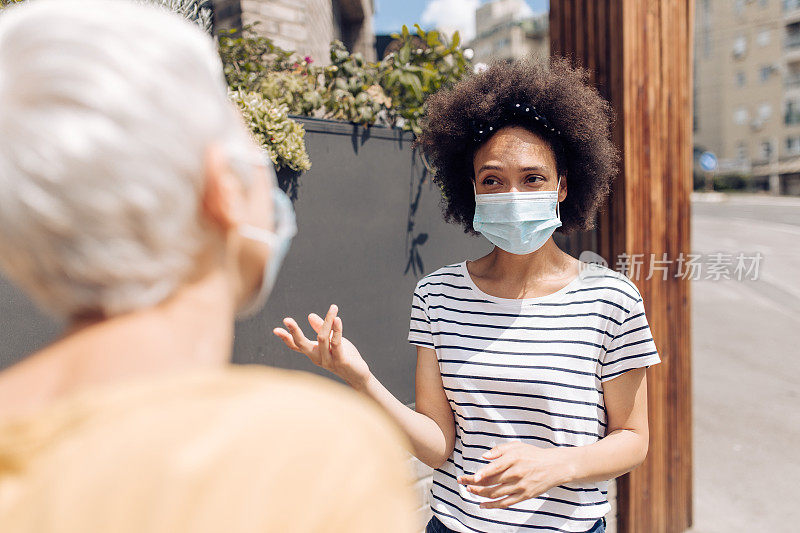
[{"x": 106, "y": 109}]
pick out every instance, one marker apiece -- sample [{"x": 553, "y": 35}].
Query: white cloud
[
  {"x": 451, "y": 15},
  {"x": 525, "y": 11}
]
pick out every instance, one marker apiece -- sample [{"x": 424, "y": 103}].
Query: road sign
[{"x": 708, "y": 161}]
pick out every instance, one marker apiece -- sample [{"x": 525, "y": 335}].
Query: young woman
[{"x": 530, "y": 381}]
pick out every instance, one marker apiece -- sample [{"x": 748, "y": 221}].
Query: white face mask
[
  {"x": 517, "y": 222},
  {"x": 278, "y": 242}
]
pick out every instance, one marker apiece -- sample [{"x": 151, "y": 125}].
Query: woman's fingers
[
  {"x": 315, "y": 321},
  {"x": 286, "y": 337},
  {"x": 493, "y": 492},
  {"x": 506, "y": 502},
  {"x": 324, "y": 333},
  {"x": 299, "y": 338},
  {"x": 336, "y": 338}
]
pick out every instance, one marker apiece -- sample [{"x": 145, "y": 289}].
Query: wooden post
[{"x": 640, "y": 56}]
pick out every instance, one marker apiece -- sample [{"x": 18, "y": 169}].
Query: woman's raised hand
[{"x": 331, "y": 351}]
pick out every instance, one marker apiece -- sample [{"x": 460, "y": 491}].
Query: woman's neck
[
  {"x": 508, "y": 275},
  {"x": 191, "y": 330},
  {"x": 546, "y": 263}
]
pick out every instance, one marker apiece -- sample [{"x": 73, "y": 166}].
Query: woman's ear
[
  {"x": 222, "y": 200},
  {"x": 562, "y": 188}
]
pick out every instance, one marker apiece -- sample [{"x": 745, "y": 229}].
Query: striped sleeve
[
  {"x": 419, "y": 330},
  {"x": 632, "y": 346}
]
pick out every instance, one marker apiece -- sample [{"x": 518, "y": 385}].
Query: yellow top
[{"x": 246, "y": 449}]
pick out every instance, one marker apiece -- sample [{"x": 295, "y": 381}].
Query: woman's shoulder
[{"x": 445, "y": 276}]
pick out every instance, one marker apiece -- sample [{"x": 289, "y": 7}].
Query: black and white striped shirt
[{"x": 528, "y": 370}]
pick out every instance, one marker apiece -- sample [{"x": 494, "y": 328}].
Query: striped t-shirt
[{"x": 528, "y": 370}]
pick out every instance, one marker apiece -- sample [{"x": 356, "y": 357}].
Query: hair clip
[{"x": 482, "y": 130}]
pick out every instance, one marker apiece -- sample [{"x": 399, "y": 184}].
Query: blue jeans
[{"x": 435, "y": 526}]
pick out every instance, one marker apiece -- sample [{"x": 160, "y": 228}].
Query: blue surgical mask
[
  {"x": 278, "y": 242},
  {"x": 517, "y": 222}
]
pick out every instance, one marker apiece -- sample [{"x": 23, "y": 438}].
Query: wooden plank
[{"x": 641, "y": 53}]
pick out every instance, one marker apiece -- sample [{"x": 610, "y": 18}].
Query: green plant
[
  {"x": 414, "y": 72},
  {"x": 248, "y": 57},
  {"x": 347, "y": 83},
  {"x": 269, "y": 83},
  {"x": 391, "y": 91},
  {"x": 282, "y": 137}
]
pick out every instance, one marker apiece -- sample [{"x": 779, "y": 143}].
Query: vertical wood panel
[{"x": 640, "y": 52}]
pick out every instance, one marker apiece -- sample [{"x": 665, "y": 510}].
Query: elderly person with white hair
[{"x": 134, "y": 204}]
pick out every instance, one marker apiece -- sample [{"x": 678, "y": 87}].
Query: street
[{"x": 746, "y": 368}]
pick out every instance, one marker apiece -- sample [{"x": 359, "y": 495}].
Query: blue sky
[{"x": 390, "y": 15}]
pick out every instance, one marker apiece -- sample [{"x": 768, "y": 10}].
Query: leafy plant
[
  {"x": 248, "y": 57},
  {"x": 282, "y": 137},
  {"x": 269, "y": 83},
  {"x": 348, "y": 80},
  {"x": 414, "y": 72},
  {"x": 391, "y": 91}
]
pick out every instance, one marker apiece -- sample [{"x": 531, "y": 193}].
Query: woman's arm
[
  {"x": 626, "y": 442},
  {"x": 430, "y": 429},
  {"x": 519, "y": 471}
]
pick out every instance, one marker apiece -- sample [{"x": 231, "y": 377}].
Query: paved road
[{"x": 746, "y": 373}]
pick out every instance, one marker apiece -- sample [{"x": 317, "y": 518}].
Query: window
[
  {"x": 766, "y": 149},
  {"x": 792, "y": 35},
  {"x": 763, "y": 37},
  {"x": 739, "y": 46},
  {"x": 764, "y": 72},
  {"x": 740, "y": 116},
  {"x": 738, "y": 7},
  {"x": 741, "y": 150},
  {"x": 764, "y": 111},
  {"x": 763, "y": 3},
  {"x": 792, "y": 113},
  {"x": 502, "y": 44},
  {"x": 793, "y": 145},
  {"x": 741, "y": 79}
]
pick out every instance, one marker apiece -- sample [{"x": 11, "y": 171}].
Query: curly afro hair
[{"x": 561, "y": 95}]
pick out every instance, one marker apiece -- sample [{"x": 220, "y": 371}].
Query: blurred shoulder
[{"x": 310, "y": 402}]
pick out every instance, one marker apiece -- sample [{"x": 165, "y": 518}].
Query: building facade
[
  {"x": 507, "y": 30},
  {"x": 747, "y": 89},
  {"x": 305, "y": 26}
]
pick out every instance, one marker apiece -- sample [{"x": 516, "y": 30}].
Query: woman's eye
[
  {"x": 489, "y": 181},
  {"x": 534, "y": 179}
]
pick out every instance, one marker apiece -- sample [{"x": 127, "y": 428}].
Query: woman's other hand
[
  {"x": 518, "y": 472},
  {"x": 331, "y": 350}
]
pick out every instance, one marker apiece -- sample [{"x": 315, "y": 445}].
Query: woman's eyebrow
[
  {"x": 534, "y": 169},
  {"x": 489, "y": 167}
]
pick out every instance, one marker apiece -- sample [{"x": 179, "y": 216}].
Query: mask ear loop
[{"x": 558, "y": 202}]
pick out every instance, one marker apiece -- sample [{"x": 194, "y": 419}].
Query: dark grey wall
[{"x": 369, "y": 227}]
